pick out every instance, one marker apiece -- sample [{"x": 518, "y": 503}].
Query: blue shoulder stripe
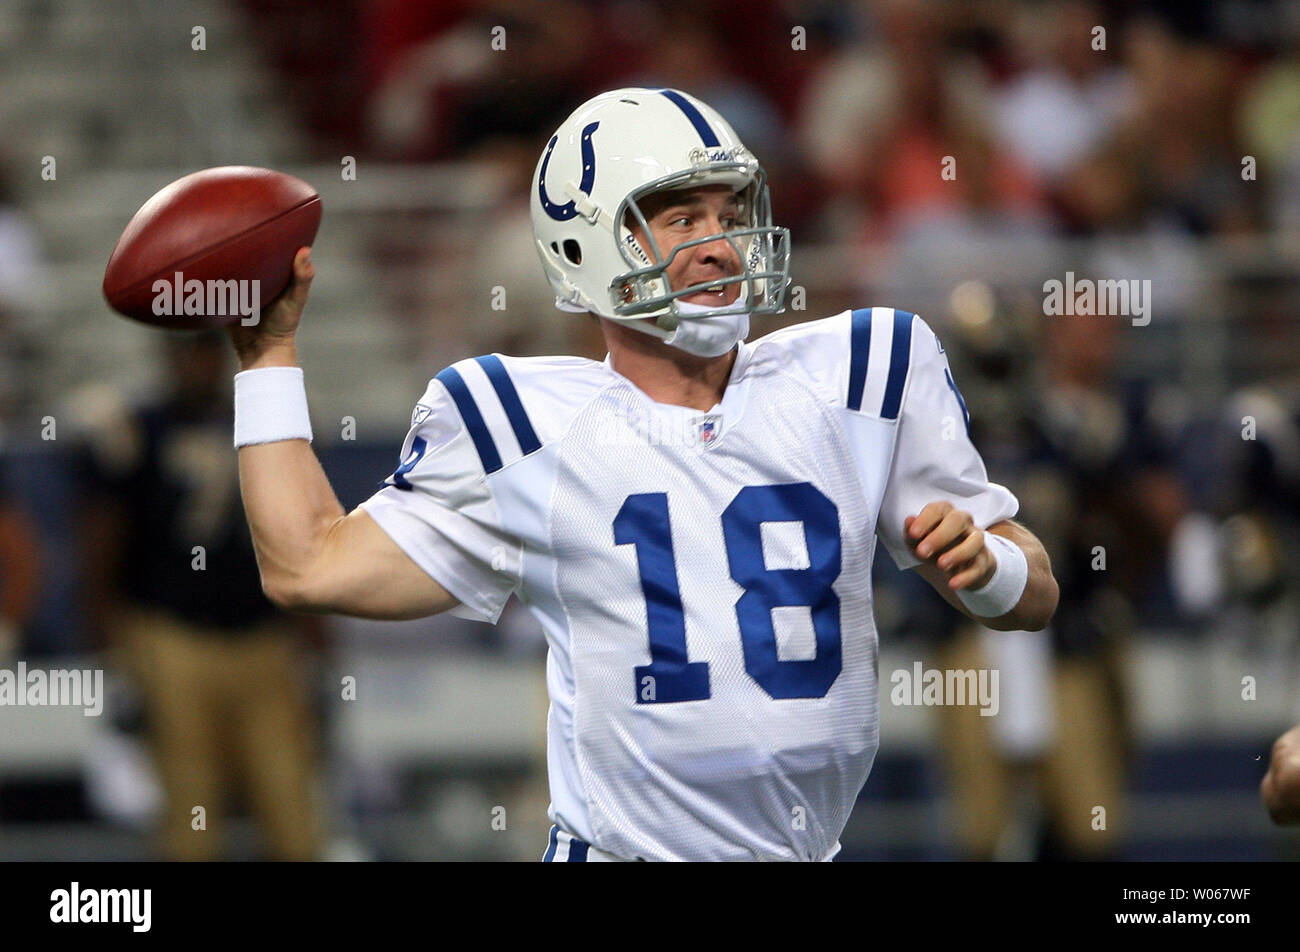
[
  {"x": 478, "y": 431},
  {"x": 900, "y": 356},
  {"x": 860, "y": 351},
  {"x": 505, "y": 388},
  {"x": 698, "y": 121},
  {"x": 549, "y": 856}
]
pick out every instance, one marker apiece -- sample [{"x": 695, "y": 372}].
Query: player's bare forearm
[
  {"x": 1280, "y": 788},
  {"x": 313, "y": 556},
  {"x": 291, "y": 509},
  {"x": 288, "y": 500},
  {"x": 954, "y": 557}
]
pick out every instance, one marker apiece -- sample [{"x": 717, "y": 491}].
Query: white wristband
[
  {"x": 1002, "y": 592},
  {"x": 270, "y": 405}
]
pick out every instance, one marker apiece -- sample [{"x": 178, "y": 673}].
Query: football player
[{"x": 692, "y": 521}]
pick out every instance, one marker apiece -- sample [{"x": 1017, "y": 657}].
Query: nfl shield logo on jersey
[{"x": 708, "y": 428}]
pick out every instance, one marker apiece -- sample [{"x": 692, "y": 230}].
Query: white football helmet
[{"x": 610, "y": 154}]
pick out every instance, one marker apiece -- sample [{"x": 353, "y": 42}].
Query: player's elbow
[
  {"x": 322, "y": 592},
  {"x": 279, "y": 593},
  {"x": 1044, "y": 605},
  {"x": 291, "y": 594}
]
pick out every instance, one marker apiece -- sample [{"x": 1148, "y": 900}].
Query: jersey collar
[{"x": 730, "y": 398}]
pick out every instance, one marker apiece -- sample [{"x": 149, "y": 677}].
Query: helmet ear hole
[
  {"x": 572, "y": 251},
  {"x": 555, "y": 249}
]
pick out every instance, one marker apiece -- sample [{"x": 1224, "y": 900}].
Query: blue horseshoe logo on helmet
[{"x": 568, "y": 210}]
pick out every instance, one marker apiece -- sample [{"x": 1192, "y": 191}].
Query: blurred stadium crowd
[
  {"x": 1160, "y": 462},
  {"x": 1060, "y": 131}
]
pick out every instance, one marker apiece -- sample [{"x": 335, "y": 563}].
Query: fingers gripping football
[
  {"x": 947, "y": 537},
  {"x": 280, "y": 318}
]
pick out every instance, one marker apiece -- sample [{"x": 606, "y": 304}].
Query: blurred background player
[
  {"x": 21, "y": 274},
  {"x": 1094, "y": 469},
  {"x": 174, "y": 588},
  {"x": 20, "y": 567},
  {"x": 1256, "y": 591}
]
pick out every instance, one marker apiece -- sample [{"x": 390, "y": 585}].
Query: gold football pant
[
  {"x": 227, "y": 709},
  {"x": 1082, "y": 768}
]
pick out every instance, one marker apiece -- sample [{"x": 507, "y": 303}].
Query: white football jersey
[{"x": 703, "y": 579}]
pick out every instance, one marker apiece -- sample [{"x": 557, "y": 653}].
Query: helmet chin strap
[
  {"x": 705, "y": 331},
  {"x": 688, "y": 309}
]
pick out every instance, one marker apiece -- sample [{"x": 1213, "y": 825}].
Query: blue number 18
[{"x": 670, "y": 677}]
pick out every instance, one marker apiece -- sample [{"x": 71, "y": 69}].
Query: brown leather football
[{"x": 212, "y": 248}]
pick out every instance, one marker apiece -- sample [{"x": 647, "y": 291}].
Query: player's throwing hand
[
  {"x": 946, "y": 536},
  {"x": 279, "y": 322}
]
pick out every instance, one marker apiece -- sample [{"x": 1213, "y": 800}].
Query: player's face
[{"x": 677, "y": 217}]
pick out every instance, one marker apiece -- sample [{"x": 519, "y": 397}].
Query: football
[{"x": 212, "y": 248}]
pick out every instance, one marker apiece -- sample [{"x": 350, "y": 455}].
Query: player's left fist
[{"x": 948, "y": 537}]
